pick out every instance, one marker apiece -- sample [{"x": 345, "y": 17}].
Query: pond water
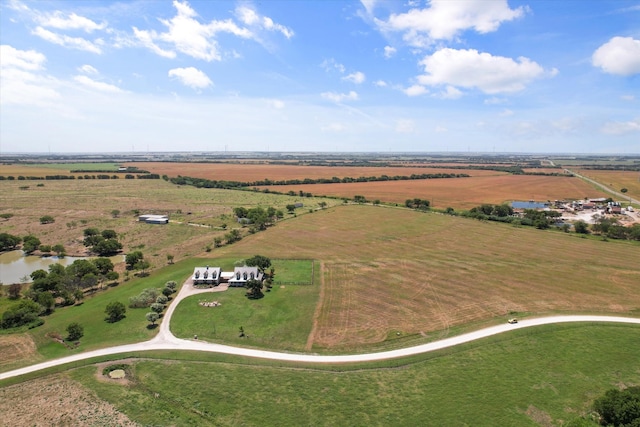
[
  {"x": 528, "y": 205},
  {"x": 14, "y": 265}
]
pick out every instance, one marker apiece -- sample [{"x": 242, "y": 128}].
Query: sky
[{"x": 456, "y": 76}]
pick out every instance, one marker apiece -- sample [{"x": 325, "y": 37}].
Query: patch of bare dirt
[
  {"x": 16, "y": 347},
  {"x": 56, "y": 401},
  {"x": 539, "y": 416}
]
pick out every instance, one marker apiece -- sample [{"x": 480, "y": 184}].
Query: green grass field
[{"x": 543, "y": 376}]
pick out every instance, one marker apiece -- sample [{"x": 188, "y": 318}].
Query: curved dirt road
[{"x": 165, "y": 340}]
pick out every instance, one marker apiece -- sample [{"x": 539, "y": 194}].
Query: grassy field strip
[{"x": 172, "y": 343}]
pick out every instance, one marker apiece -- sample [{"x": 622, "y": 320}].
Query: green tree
[
  {"x": 233, "y": 236},
  {"x": 103, "y": 265},
  {"x": 142, "y": 266},
  {"x": 109, "y": 234},
  {"x": 254, "y": 289},
  {"x": 58, "y": 249},
  {"x": 581, "y": 227},
  {"x": 9, "y": 242},
  {"x": 157, "y": 307},
  {"x": 169, "y": 259},
  {"x": 132, "y": 259},
  {"x": 75, "y": 331},
  {"x": 47, "y": 219},
  {"x": 152, "y": 317},
  {"x": 619, "y": 408},
  {"x": 291, "y": 208},
  {"x": 115, "y": 213},
  {"x": 115, "y": 311},
  {"x": 260, "y": 261},
  {"x": 30, "y": 244},
  {"x": 171, "y": 284},
  {"x": 25, "y": 312}
]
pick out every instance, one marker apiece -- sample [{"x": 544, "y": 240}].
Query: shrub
[
  {"x": 75, "y": 331},
  {"x": 145, "y": 298},
  {"x": 115, "y": 311}
]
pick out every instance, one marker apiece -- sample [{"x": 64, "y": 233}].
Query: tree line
[
  {"x": 64, "y": 177},
  {"x": 208, "y": 183}
]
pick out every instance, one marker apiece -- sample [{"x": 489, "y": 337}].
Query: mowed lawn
[
  {"x": 458, "y": 193},
  {"x": 399, "y": 274}
]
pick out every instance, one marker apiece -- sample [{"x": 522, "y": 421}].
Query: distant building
[
  {"x": 214, "y": 276},
  {"x": 154, "y": 219}
]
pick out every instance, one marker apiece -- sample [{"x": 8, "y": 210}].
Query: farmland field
[
  {"x": 459, "y": 193},
  {"x": 255, "y": 172},
  {"x": 615, "y": 179},
  {"x": 389, "y": 270}
]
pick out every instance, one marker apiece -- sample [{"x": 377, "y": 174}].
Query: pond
[
  {"x": 528, "y": 205},
  {"x": 14, "y": 265}
]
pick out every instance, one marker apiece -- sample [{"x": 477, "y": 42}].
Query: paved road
[{"x": 165, "y": 340}]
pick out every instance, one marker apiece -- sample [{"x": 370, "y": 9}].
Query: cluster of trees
[
  {"x": 64, "y": 284},
  {"x": 504, "y": 213},
  {"x": 62, "y": 177},
  {"x": 160, "y": 303},
  {"x": 259, "y": 218},
  {"x": 208, "y": 183},
  {"x": 609, "y": 227},
  {"x": 103, "y": 243},
  {"x": 419, "y": 204},
  {"x": 9, "y": 242},
  {"x": 135, "y": 261},
  {"x": 151, "y": 296}
]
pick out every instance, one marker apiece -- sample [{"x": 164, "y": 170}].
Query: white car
[{"x": 512, "y": 320}]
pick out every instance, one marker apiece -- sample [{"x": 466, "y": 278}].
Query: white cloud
[
  {"x": 191, "y": 77},
  {"x": 445, "y": 19},
  {"x": 405, "y": 126},
  {"x": 471, "y": 69},
  {"x": 389, "y": 51},
  {"x": 24, "y": 59},
  {"x": 621, "y": 128},
  {"x": 494, "y": 101},
  {"x": 340, "y": 97},
  {"x": 21, "y": 82},
  {"x": 506, "y": 113},
  {"x": 441, "y": 129},
  {"x": 100, "y": 86},
  {"x": 250, "y": 17},
  {"x": 380, "y": 83},
  {"x": 332, "y": 64},
  {"x": 358, "y": 77},
  {"x": 59, "y": 21},
  {"x": 67, "y": 41},
  {"x": 415, "y": 90},
  {"x": 628, "y": 97},
  {"x": 87, "y": 69},
  {"x": 187, "y": 35},
  {"x": 277, "y": 104},
  {"x": 145, "y": 38},
  {"x": 451, "y": 93},
  {"x": 620, "y": 55}
]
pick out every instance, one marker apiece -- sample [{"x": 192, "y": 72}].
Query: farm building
[
  {"x": 214, "y": 276},
  {"x": 206, "y": 275},
  {"x": 243, "y": 274},
  {"x": 154, "y": 219}
]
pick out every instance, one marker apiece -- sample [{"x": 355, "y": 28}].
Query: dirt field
[
  {"x": 56, "y": 401},
  {"x": 255, "y": 172},
  {"x": 459, "y": 193},
  {"x": 389, "y": 270},
  {"x": 16, "y": 347}
]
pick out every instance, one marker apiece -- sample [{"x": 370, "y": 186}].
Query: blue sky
[{"x": 371, "y": 75}]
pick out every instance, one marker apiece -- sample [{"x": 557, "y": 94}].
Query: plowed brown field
[
  {"x": 616, "y": 180},
  {"x": 458, "y": 193},
  {"x": 254, "y": 172}
]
